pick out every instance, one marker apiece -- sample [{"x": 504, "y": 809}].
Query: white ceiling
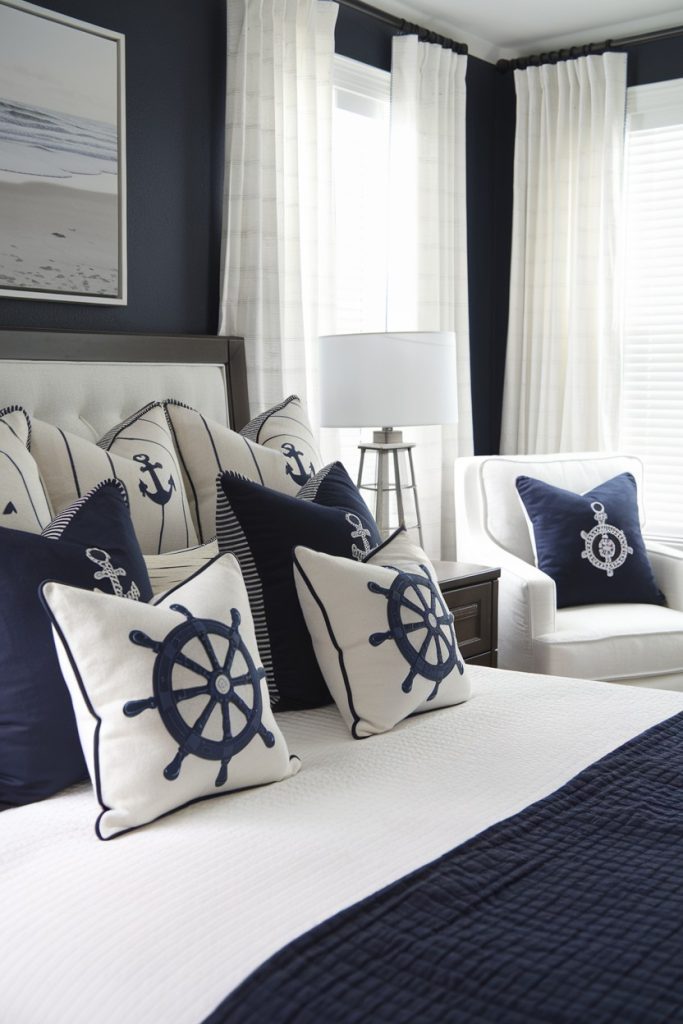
[{"x": 515, "y": 28}]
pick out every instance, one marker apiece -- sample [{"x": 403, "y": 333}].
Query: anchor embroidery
[
  {"x": 9, "y": 508},
  {"x": 298, "y": 472},
  {"x": 359, "y": 531},
  {"x": 160, "y": 496},
  {"x": 108, "y": 572},
  {"x": 606, "y": 548}
]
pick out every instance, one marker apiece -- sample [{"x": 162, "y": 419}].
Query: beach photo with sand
[{"x": 61, "y": 184}]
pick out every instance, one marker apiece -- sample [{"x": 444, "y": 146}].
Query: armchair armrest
[
  {"x": 526, "y": 603},
  {"x": 667, "y": 565}
]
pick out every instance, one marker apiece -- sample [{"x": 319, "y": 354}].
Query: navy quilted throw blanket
[{"x": 571, "y": 912}]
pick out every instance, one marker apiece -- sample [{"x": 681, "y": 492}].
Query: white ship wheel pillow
[
  {"x": 382, "y": 634},
  {"x": 170, "y": 698}
]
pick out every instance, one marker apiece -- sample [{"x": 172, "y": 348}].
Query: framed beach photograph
[{"x": 62, "y": 158}]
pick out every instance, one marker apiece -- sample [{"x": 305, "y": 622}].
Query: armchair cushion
[
  {"x": 590, "y": 544},
  {"x": 625, "y": 643}
]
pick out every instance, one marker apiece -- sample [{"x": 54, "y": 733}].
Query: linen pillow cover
[
  {"x": 140, "y": 453},
  {"x": 286, "y": 428},
  {"x": 173, "y": 567},
  {"x": 90, "y": 545},
  {"x": 23, "y": 502},
  {"x": 207, "y": 448},
  {"x": 590, "y": 544},
  {"x": 262, "y": 527},
  {"x": 170, "y": 698},
  {"x": 382, "y": 634}
]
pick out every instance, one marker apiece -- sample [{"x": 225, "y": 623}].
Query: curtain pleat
[
  {"x": 276, "y": 271},
  {"x": 428, "y": 266},
  {"x": 563, "y": 363}
]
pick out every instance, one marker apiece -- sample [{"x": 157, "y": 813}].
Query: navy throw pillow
[
  {"x": 91, "y": 545},
  {"x": 591, "y": 543},
  {"x": 262, "y": 527}
]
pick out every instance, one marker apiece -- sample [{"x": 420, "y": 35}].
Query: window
[
  {"x": 652, "y": 411},
  {"x": 361, "y": 167}
]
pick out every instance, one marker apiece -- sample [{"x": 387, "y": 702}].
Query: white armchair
[{"x": 640, "y": 644}]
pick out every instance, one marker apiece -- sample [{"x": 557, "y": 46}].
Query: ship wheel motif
[
  {"x": 231, "y": 685},
  {"x": 604, "y": 533},
  {"x": 421, "y": 626}
]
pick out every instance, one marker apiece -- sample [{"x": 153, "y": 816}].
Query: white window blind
[{"x": 652, "y": 411}]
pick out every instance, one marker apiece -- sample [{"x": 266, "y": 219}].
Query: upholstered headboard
[{"x": 86, "y": 382}]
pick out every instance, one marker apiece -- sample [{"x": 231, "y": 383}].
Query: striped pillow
[
  {"x": 23, "y": 501},
  {"x": 259, "y": 453},
  {"x": 140, "y": 453}
]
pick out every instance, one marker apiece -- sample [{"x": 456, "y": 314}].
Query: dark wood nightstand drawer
[
  {"x": 472, "y": 609},
  {"x": 471, "y": 593}
]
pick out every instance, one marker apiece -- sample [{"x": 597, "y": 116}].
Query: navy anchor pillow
[
  {"x": 590, "y": 544},
  {"x": 91, "y": 545},
  {"x": 262, "y": 527}
]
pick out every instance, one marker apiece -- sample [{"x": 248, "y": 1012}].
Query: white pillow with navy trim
[
  {"x": 286, "y": 428},
  {"x": 140, "y": 453},
  {"x": 23, "y": 502},
  {"x": 170, "y": 698},
  {"x": 207, "y": 448},
  {"x": 382, "y": 634}
]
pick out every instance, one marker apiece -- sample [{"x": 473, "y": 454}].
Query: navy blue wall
[{"x": 175, "y": 67}]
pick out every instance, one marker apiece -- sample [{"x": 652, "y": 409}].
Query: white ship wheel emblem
[{"x": 603, "y": 555}]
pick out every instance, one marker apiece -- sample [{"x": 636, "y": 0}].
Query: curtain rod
[
  {"x": 552, "y": 56},
  {"x": 404, "y": 27}
]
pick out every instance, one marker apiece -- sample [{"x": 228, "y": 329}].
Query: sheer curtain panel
[
  {"x": 563, "y": 364},
  {"x": 428, "y": 251},
  {"x": 277, "y": 245}
]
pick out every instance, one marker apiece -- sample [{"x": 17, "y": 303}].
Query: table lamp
[{"x": 387, "y": 380}]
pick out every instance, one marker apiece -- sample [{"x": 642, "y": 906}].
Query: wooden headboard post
[{"x": 91, "y": 346}]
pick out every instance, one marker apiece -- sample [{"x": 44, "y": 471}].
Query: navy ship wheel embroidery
[
  {"x": 421, "y": 626},
  {"x": 231, "y": 686}
]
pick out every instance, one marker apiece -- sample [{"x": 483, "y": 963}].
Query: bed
[{"x": 170, "y": 921}]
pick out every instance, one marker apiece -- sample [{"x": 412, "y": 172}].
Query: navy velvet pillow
[
  {"x": 262, "y": 527},
  {"x": 591, "y": 543},
  {"x": 91, "y": 545}
]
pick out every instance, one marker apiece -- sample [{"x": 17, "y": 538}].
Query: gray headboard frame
[{"x": 91, "y": 346}]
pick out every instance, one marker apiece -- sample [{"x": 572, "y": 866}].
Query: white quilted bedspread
[{"x": 159, "y": 925}]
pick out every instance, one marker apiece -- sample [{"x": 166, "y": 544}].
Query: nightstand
[{"x": 471, "y": 593}]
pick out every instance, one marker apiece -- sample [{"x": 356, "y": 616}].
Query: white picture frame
[{"x": 62, "y": 158}]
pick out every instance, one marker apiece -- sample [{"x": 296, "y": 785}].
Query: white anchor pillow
[
  {"x": 286, "y": 428},
  {"x": 140, "y": 453},
  {"x": 382, "y": 633},
  {"x": 170, "y": 698},
  {"x": 590, "y": 544},
  {"x": 207, "y": 448},
  {"x": 23, "y": 502}
]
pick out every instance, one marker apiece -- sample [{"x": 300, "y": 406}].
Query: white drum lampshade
[{"x": 388, "y": 380}]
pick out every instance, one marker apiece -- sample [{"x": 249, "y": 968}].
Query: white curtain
[
  {"x": 428, "y": 264},
  {"x": 277, "y": 214},
  {"x": 563, "y": 364}
]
